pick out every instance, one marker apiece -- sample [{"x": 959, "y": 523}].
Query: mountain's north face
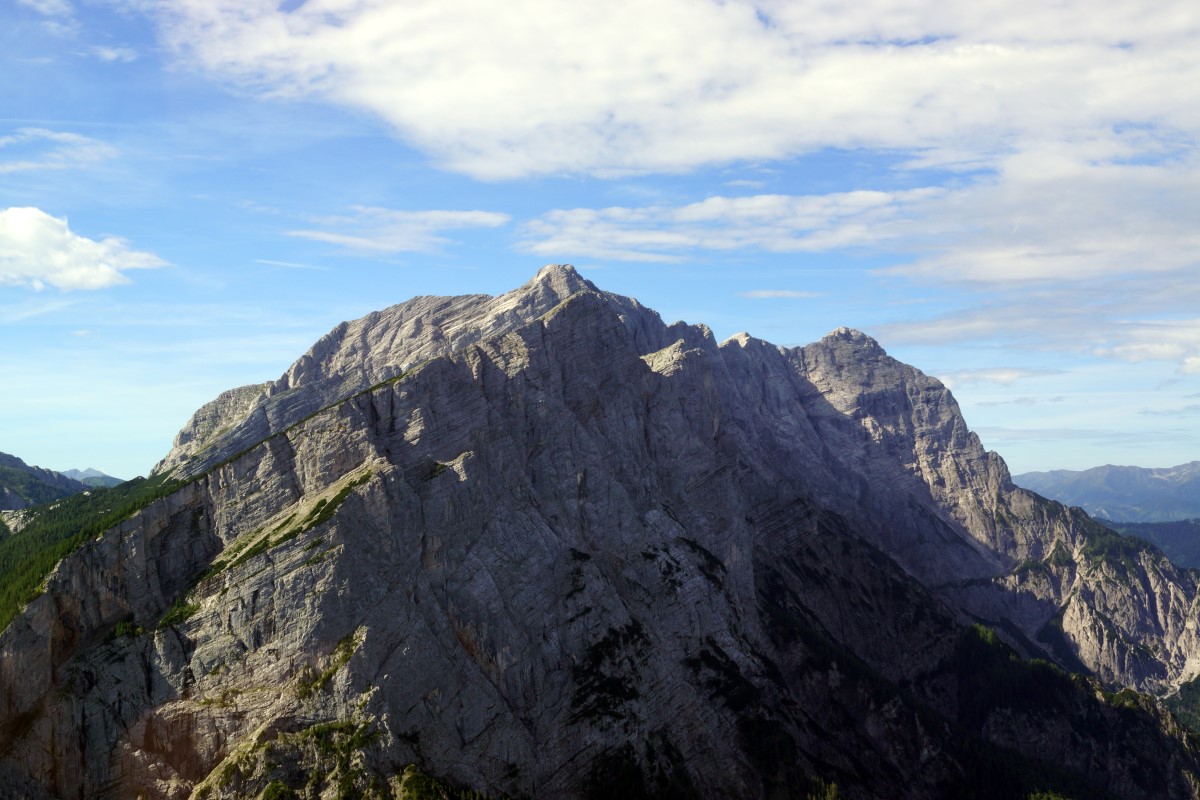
[{"x": 544, "y": 545}]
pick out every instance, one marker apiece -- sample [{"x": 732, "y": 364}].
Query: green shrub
[
  {"x": 180, "y": 612},
  {"x": 277, "y": 790}
]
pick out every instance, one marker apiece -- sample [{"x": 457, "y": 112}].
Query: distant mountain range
[
  {"x": 92, "y": 477},
  {"x": 1123, "y": 494},
  {"x": 22, "y": 486}
]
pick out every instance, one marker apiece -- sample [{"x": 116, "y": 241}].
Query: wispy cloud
[
  {"x": 1020, "y": 401},
  {"x": 59, "y": 16},
  {"x": 1183, "y": 411},
  {"x": 11, "y": 313},
  {"x": 114, "y": 54},
  {"x": 50, "y": 8},
  {"x": 1159, "y": 340},
  {"x": 1005, "y": 376},
  {"x": 1072, "y": 211},
  {"x": 1101, "y": 436},
  {"x": 39, "y": 148},
  {"x": 770, "y": 294},
  {"x": 771, "y": 222},
  {"x": 383, "y": 230},
  {"x": 290, "y": 265},
  {"x": 37, "y": 249}
]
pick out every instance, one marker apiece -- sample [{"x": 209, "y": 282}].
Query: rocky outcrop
[{"x": 546, "y": 545}]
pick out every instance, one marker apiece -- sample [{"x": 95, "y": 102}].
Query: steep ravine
[{"x": 544, "y": 545}]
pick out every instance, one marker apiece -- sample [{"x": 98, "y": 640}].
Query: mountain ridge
[
  {"x": 1122, "y": 493},
  {"x": 22, "y": 485},
  {"x": 577, "y": 542}
]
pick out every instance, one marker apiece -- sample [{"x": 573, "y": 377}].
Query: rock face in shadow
[{"x": 546, "y": 545}]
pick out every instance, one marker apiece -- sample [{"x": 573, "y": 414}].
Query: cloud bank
[{"x": 529, "y": 87}]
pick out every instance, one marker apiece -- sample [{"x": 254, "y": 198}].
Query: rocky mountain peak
[
  {"x": 852, "y": 340},
  {"x": 560, "y": 279},
  {"x": 358, "y": 354},
  {"x": 530, "y": 542}
]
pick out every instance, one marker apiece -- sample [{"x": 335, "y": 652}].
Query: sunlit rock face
[{"x": 546, "y": 545}]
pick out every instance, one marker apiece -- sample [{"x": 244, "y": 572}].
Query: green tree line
[{"x": 57, "y": 529}]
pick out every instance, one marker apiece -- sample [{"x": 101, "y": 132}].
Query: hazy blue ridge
[{"x": 1123, "y": 494}]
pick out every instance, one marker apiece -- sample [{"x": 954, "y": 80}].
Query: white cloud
[
  {"x": 1070, "y": 129},
  {"x": 530, "y": 87},
  {"x": 1020, "y": 401},
  {"x": 50, "y": 8},
  {"x": 1049, "y": 215},
  {"x": 775, "y": 223},
  {"x": 290, "y": 265},
  {"x": 382, "y": 230},
  {"x": 1005, "y": 376},
  {"x": 114, "y": 54},
  {"x": 38, "y": 148},
  {"x": 1158, "y": 340},
  {"x": 37, "y": 249},
  {"x": 59, "y": 16},
  {"x": 1182, "y": 411},
  {"x": 1057, "y": 213}
]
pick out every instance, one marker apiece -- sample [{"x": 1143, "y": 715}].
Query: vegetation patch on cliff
[
  {"x": 319, "y": 514},
  {"x": 179, "y": 612},
  {"x": 58, "y": 529},
  {"x": 1185, "y": 705},
  {"x": 312, "y": 681}
]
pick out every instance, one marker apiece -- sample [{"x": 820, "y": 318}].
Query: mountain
[
  {"x": 546, "y": 545},
  {"x": 1179, "y": 540},
  {"x": 92, "y": 477},
  {"x": 22, "y": 485},
  {"x": 1123, "y": 494}
]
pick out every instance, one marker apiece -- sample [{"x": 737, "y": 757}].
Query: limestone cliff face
[{"x": 546, "y": 545}]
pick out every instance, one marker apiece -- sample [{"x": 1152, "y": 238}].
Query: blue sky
[{"x": 1006, "y": 195}]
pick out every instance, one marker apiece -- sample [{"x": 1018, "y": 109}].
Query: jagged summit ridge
[{"x": 356, "y": 355}]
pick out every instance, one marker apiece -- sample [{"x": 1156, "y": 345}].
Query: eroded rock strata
[{"x": 546, "y": 545}]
